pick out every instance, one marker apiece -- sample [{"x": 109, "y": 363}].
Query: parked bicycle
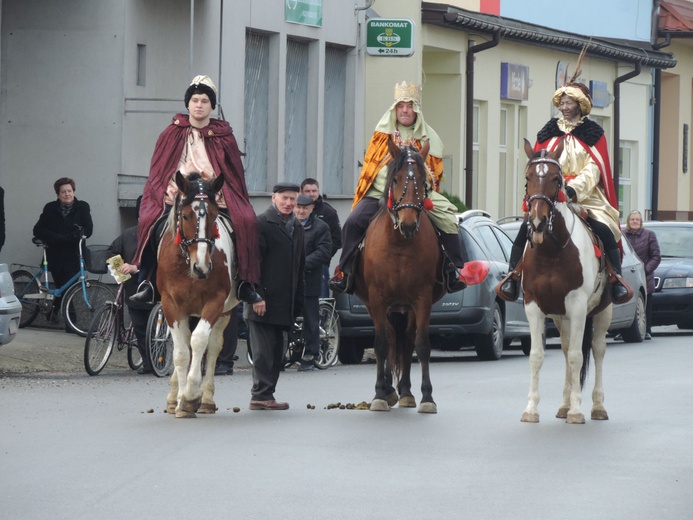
[
  {"x": 107, "y": 330},
  {"x": 159, "y": 342},
  {"x": 329, "y": 338},
  {"x": 81, "y": 297}
]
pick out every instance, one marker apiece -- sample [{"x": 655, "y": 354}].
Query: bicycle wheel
[
  {"x": 25, "y": 283},
  {"x": 159, "y": 342},
  {"x": 134, "y": 355},
  {"x": 77, "y": 312},
  {"x": 101, "y": 337},
  {"x": 329, "y": 336}
]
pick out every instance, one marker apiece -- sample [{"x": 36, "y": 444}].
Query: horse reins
[{"x": 201, "y": 213}]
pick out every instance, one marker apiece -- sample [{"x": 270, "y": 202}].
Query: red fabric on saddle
[{"x": 597, "y": 251}]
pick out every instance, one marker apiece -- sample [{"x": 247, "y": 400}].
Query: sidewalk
[
  {"x": 53, "y": 352},
  {"x": 44, "y": 351}
]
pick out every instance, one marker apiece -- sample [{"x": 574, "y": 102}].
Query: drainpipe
[
  {"x": 657, "y": 116},
  {"x": 469, "y": 132},
  {"x": 617, "y": 121}
]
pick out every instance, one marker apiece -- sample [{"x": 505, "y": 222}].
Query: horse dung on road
[
  {"x": 562, "y": 278},
  {"x": 399, "y": 277},
  {"x": 195, "y": 277}
]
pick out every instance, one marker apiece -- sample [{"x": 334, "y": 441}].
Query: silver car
[{"x": 10, "y": 307}]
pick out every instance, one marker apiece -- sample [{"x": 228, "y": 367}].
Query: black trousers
[
  {"x": 139, "y": 318},
  {"x": 311, "y": 324},
  {"x": 228, "y": 350},
  {"x": 267, "y": 343}
]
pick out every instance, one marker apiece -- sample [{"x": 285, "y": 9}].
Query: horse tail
[
  {"x": 396, "y": 356},
  {"x": 586, "y": 349}
]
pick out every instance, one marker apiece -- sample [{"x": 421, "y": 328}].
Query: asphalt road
[{"x": 80, "y": 447}]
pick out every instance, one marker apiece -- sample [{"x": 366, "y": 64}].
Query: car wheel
[
  {"x": 489, "y": 347},
  {"x": 636, "y": 332},
  {"x": 349, "y": 352}
]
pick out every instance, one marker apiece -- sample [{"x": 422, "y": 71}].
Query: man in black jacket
[
  {"x": 282, "y": 260},
  {"x": 318, "y": 245},
  {"x": 327, "y": 214}
]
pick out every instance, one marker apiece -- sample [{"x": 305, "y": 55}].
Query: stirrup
[
  {"x": 508, "y": 289},
  {"x": 145, "y": 293},
  {"x": 339, "y": 283},
  {"x": 618, "y": 285},
  {"x": 454, "y": 281}
]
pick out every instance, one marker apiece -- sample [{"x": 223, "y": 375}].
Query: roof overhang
[{"x": 455, "y": 18}]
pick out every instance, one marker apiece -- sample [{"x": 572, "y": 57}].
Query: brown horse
[
  {"x": 399, "y": 277},
  {"x": 195, "y": 277},
  {"x": 563, "y": 279}
]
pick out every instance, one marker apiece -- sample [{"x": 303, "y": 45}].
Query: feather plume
[{"x": 578, "y": 70}]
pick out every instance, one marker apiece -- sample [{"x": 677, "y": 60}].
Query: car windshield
[{"x": 674, "y": 240}]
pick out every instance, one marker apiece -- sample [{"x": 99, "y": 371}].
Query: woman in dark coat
[
  {"x": 645, "y": 245},
  {"x": 57, "y": 227}
]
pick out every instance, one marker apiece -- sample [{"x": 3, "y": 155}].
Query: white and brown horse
[
  {"x": 195, "y": 277},
  {"x": 563, "y": 279}
]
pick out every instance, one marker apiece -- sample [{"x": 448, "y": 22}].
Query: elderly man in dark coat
[
  {"x": 282, "y": 261},
  {"x": 318, "y": 245}
]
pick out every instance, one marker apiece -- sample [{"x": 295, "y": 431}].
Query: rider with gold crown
[{"x": 404, "y": 123}]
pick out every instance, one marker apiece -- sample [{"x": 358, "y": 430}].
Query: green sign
[
  {"x": 306, "y": 12},
  {"x": 390, "y": 37}
]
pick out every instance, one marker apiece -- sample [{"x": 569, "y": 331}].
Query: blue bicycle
[{"x": 81, "y": 297}]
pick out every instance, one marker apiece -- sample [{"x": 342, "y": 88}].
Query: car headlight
[{"x": 677, "y": 283}]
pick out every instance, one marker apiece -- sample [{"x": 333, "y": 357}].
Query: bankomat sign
[{"x": 390, "y": 37}]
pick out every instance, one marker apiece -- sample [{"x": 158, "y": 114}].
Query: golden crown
[{"x": 404, "y": 92}]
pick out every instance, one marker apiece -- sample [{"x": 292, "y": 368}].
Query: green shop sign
[
  {"x": 390, "y": 37},
  {"x": 306, "y": 12}
]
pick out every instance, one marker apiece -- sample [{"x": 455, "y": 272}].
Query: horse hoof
[
  {"x": 576, "y": 418},
  {"x": 379, "y": 405},
  {"x": 182, "y": 414},
  {"x": 207, "y": 408},
  {"x": 600, "y": 415},
  {"x": 562, "y": 413},
  {"x": 190, "y": 406},
  {"x": 428, "y": 408},
  {"x": 392, "y": 399},
  {"x": 530, "y": 417},
  {"x": 171, "y": 408},
  {"x": 407, "y": 401}
]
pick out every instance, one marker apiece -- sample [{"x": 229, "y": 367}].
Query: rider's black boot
[
  {"x": 144, "y": 294},
  {"x": 510, "y": 287},
  {"x": 339, "y": 282},
  {"x": 247, "y": 294},
  {"x": 619, "y": 293},
  {"x": 455, "y": 261}
]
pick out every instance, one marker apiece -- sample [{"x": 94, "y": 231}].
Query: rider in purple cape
[{"x": 183, "y": 141}]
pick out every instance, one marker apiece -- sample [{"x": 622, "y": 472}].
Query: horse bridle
[
  {"x": 411, "y": 178},
  {"x": 201, "y": 213},
  {"x": 541, "y": 170}
]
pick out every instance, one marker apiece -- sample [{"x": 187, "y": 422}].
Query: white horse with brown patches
[
  {"x": 562, "y": 278},
  {"x": 195, "y": 277}
]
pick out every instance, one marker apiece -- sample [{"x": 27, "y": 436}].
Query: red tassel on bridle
[
  {"x": 561, "y": 196},
  {"x": 178, "y": 238},
  {"x": 390, "y": 202},
  {"x": 525, "y": 209},
  {"x": 427, "y": 204}
]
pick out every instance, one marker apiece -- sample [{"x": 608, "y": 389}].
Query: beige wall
[{"x": 675, "y": 192}]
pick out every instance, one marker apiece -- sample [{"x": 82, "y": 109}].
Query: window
[
  {"x": 502, "y": 161},
  {"x": 256, "y": 94},
  {"x": 491, "y": 242},
  {"x": 296, "y": 116},
  {"x": 625, "y": 152},
  {"x": 335, "y": 103},
  {"x": 141, "y": 65}
]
